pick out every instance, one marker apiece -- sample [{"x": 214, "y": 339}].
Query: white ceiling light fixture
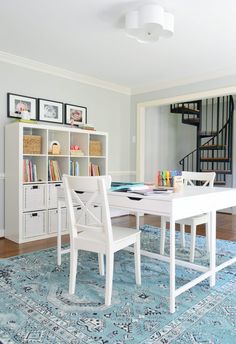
[{"x": 148, "y": 23}]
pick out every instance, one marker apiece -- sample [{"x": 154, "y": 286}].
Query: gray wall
[
  {"x": 109, "y": 111},
  {"x": 161, "y": 133}
]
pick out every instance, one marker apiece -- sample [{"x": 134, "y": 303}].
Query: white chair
[
  {"x": 97, "y": 234},
  {"x": 189, "y": 178}
]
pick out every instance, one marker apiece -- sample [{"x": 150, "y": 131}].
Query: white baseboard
[{"x": 2, "y": 233}]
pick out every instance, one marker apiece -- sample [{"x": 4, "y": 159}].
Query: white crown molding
[
  {"x": 63, "y": 73},
  {"x": 182, "y": 82}
]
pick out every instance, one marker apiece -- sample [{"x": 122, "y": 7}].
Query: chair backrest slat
[
  {"x": 87, "y": 192},
  {"x": 206, "y": 178}
]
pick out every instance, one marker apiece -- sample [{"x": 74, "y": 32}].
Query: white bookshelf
[{"x": 30, "y": 207}]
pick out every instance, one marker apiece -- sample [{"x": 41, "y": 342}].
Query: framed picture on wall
[
  {"x": 75, "y": 114},
  {"x": 50, "y": 111},
  {"x": 22, "y": 107}
]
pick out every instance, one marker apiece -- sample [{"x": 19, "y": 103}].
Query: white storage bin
[
  {"x": 34, "y": 197},
  {"x": 53, "y": 220},
  {"x": 54, "y": 190},
  {"x": 34, "y": 224}
]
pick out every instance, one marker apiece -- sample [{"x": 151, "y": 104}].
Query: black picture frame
[
  {"x": 50, "y": 111},
  {"x": 16, "y": 103},
  {"x": 79, "y": 113}
]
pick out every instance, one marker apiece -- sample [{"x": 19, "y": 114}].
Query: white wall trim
[
  {"x": 63, "y": 73},
  {"x": 140, "y": 118},
  {"x": 181, "y": 82},
  {"x": 2, "y": 233},
  {"x": 2, "y": 176}
]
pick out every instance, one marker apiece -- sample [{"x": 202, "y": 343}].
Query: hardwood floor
[{"x": 225, "y": 223}]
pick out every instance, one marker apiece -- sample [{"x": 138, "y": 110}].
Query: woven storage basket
[
  {"x": 95, "y": 148},
  {"x": 32, "y": 144}
]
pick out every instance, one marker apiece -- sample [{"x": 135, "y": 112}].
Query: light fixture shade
[
  {"x": 151, "y": 18},
  {"x": 132, "y": 23},
  {"x": 168, "y": 28},
  {"x": 148, "y": 23}
]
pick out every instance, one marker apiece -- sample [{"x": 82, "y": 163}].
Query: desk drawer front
[{"x": 133, "y": 203}]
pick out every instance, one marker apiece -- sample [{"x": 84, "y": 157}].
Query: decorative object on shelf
[
  {"x": 50, "y": 111},
  {"x": 95, "y": 148},
  {"x": 21, "y": 107},
  {"x": 54, "y": 148},
  {"x": 87, "y": 127},
  {"x": 75, "y": 114},
  {"x": 75, "y": 150},
  {"x": 148, "y": 23},
  {"x": 32, "y": 144}
]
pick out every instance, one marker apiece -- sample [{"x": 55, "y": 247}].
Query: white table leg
[
  {"x": 59, "y": 233},
  {"x": 212, "y": 237},
  {"x": 172, "y": 265}
]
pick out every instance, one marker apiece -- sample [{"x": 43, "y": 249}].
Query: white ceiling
[{"x": 86, "y": 37}]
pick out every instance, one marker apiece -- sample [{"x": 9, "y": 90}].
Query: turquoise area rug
[{"x": 35, "y": 306}]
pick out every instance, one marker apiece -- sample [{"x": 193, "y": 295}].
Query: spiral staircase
[{"x": 213, "y": 119}]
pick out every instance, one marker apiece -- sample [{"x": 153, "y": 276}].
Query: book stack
[
  {"x": 74, "y": 168},
  {"x": 94, "y": 170},
  {"x": 54, "y": 173},
  {"x": 29, "y": 172}
]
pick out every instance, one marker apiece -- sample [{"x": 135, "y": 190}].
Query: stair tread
[
  {"x": 215, "y": 159},
  {"x": 184, "y": 109},
  {"x": 212, "y": 147},
  {"x": 219, "y": 182},
  {"x": 218, "y": 171},
  {"x": 191, "y": 120},
  {"x": 207, "y": 133}
]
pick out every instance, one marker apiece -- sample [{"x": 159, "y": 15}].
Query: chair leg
[
  {"x": 163, "y": 235},
  {"x": 73, "y": 270},
  {"x": 101, "y": 263},
  {"x": 137, "y": 221},
  {"x": 109, "y": 277},
  {"x": 193, "y": 241},
  {"x": 137, "y": 261},
  {"x": 207, "y": 238},
  {"x": 182, "y": 231}
]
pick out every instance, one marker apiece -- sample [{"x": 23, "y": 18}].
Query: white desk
[{"x": 190, "y": 202}]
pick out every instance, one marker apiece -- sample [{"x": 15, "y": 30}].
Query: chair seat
[
  {"x": 122, "y": 237},
  {"x": 119, "y": 233}
]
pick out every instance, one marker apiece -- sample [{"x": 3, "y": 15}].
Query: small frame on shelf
[
  {"x": 75, "y": 114},
  {"x": 50, "y": 111},
  {"x": 21, "y": 107}
]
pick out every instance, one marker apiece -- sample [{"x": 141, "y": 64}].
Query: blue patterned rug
[{"x": 35, "y": 306}]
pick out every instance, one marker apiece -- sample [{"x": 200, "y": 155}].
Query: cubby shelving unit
[{"x": 31, "y": 207}]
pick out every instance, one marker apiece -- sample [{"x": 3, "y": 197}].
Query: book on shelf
[
  {"x": 74, "y": 168},
  {"x": 94, "y": 170},
  {"x": 54, "y": 173},
  {"x": 29, "y": 171}
]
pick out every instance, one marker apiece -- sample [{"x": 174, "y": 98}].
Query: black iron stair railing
[{"x": 214, "y": 122}]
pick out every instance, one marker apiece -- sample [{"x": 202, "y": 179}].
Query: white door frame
[{"x": 141, "y": 112}]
